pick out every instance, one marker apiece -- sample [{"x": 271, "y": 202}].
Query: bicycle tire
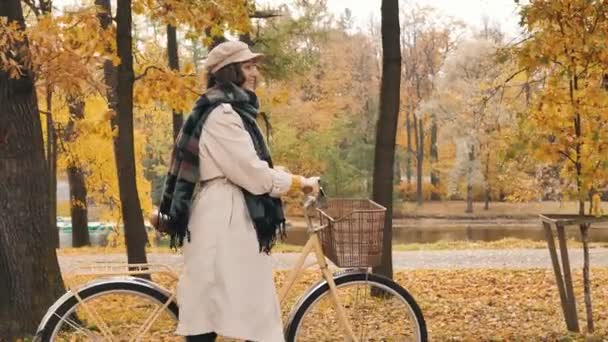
[
  {"x": 353, "y": 277},
  {"x": 69, "y": 302}
]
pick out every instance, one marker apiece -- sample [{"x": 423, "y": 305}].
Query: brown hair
[{"x": 231, "y": 73}]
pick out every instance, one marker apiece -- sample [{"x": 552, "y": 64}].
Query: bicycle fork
[{"x": 342, "y": 319}]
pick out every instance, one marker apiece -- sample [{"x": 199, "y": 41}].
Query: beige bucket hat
[{"x": 227, "y": 53}]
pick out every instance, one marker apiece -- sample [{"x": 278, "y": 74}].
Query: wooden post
[
  {"x": 570, "y": 299},
  {"x": 564, "y": 283},
  {"x": 558, "y": 276}
]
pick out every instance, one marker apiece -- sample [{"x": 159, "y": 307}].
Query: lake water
[
  {"x": 433, "y": 230},
  {"x": 425, "y": 231}
]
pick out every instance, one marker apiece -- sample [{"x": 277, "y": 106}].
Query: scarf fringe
[{"x": 268, "y": 234}]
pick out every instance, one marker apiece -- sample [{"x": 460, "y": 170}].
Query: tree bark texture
[
  {"x": 578, "y": 129},
  {"x": 76, "y": 179},
  {"x": 215, "y": 40},
  {"x": 119, "y": 83},
  {"x": 409, "y": 152},
  {"x": 78, "y": 207},
  {"x": 419, "y": 162},
  {"x": 470, "y": 179},
  {"x": 173, "y": 57},
  {"x": 587, "y": 278},
  {"x": 30, "y": 280},
  {"x": 135, "y": 232},
  {"x": 434, "y": 158},
  {"x": 51, "y": 158},
  {"x": 384, "y": 156},
  {"x": 488, "y": 187}
]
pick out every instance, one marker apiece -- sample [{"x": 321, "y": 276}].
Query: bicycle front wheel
[
  {"x": 376, "y": 308},
  {"x": 125, "y": 309}
]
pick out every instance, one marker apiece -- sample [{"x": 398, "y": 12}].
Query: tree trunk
[
  {"x": 416, "y": 141},
  {"x": 501, "y": 195},
  {"x": 397, "y": 170},
  {"x": 196, "y": 54},
  {"x": 78, "y": 190},
  {"x": 52, "y": 165},
  {"x": 78, "y": 207},
  {"x": 215, "y": 40},
  {"x": 419, "y": 162},
  {"x": 581, "y": 209},
  {"x": 488, "y": 187},
  {"x": 486, "y": 205},
  {"x": 30, "y": 280},
  {"x": 104, "y": 15},
  {"x": 434, "y": 158},
  {"x": 44, "y": 8},
  {"x": 408, "y": 158},
  {"x": 470, "y": 180},
  {"x": 384, "y": 156},
  {"x": 135, "y": 232},
  {"x": 586, "y": 278},
  {"x": 173, "y": 56},
  {"x": 246, "y": 38},
  {"x": 120, "y": 97}
]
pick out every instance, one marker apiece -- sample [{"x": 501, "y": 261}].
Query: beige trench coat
[{"x": 227, "y": 285}]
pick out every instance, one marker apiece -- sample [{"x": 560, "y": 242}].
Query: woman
[{"x": 227, "y": 287}]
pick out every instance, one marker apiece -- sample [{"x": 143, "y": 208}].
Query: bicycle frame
[{"x": 312, "y": 246}]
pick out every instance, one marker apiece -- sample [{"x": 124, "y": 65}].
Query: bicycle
[{"x": 349, "y": 234}]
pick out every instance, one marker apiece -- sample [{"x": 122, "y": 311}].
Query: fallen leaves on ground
[{"x": 476, "y": 305}]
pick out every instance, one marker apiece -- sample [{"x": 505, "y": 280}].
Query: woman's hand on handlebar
[{"x": 311, "y": 185}]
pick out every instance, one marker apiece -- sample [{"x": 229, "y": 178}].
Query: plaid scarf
[{"x": 174, "y": 211}]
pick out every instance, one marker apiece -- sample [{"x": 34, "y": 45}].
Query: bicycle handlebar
[{"x": 313, "y": 200}]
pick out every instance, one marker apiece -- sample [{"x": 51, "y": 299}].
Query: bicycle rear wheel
[
  {"x": 377, "y": 308},
  {"x": 112, "y": 310}
]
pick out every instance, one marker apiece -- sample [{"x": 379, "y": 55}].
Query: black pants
[{"x": 209, "y": 337}]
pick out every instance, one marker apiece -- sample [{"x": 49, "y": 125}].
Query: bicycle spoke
[
  {"x": 79, "y": 328},
  {"x": 125, "y": 316},
  {"x": 373, "y": 313},
  {"x": 151, "y": 319},
  {"x": 360, "y": 316},
  {"x": 90, "y": 310}
]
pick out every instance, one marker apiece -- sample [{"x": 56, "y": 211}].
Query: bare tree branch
[
  {"x": 264, "y": 14},
  {"x": 146, "y": 71},
  {"x": 567, "y": 155},
  {"x": 32, "y": 6}
]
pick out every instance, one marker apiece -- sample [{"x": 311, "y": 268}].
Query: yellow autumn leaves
[
  {"x": 567, "y": 55},
  {"x": 473, "y": 305}
]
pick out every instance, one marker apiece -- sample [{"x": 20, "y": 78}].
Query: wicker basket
[{"x": 354, "y": 235}]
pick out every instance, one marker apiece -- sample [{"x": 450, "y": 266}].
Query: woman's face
[{"x": 250, "y": 71}]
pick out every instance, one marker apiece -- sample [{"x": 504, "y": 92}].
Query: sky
[{"x": 503, "y": 12}]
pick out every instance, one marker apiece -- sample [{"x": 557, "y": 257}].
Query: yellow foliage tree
[
  {"x": 66, "y": 51},
  {"x": 426, "y": 40},
  {"x": 324, "y": 111},
  {"x": 92, "y": 148},
  {"x": 566, "y": 48}
]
